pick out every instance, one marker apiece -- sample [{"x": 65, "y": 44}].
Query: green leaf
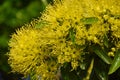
[
  {"x": 102, "y": 75},
  {"x": 116, "y": 63},
  {"x": 41, "y": 24},
  {"x": 89, "y": 20},
  {"x": 72, "y": 35},
  {"x": 102, "y": 54},
  {"x": 101, "y": 72},
  {"x": 105, "y": 41}
]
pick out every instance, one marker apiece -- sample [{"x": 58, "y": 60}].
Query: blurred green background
[{"x": 14, "y": 14}]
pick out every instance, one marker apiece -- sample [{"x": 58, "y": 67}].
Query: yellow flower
[
  {"x": 23, "y": 49},
  {"x": 72, "y": 25}
]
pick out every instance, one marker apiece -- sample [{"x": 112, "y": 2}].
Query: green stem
[{"x": 89, "y": 70}]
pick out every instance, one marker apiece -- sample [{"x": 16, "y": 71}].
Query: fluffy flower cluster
[{"x": 70, "y": 26}]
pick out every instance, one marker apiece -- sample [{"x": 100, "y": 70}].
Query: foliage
[{"x": 79, "y": 39}]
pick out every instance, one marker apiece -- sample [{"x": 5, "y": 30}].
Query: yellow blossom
[{"x": 42, "y": 50}]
